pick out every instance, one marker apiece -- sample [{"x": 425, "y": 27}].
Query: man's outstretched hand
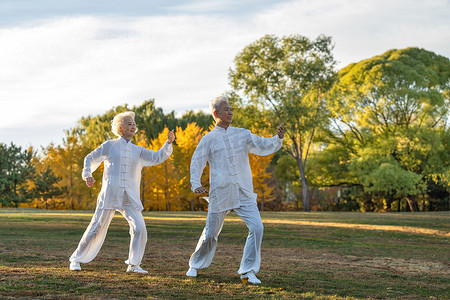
[
  {"x": 170, "y": 137},
  {"x": 90, "y": 181}
]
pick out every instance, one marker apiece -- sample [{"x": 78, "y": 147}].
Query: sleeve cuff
[
  {"x": 194, "y": 187},
  {"x": 168, "y": 147},
  {"x": 277, "y": 139},
  {"x": 86, "y": 175}
]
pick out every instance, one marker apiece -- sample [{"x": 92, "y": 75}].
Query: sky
[{"x": 62, "y": 60}]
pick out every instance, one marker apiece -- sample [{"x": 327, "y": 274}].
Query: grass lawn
[{"x": 327, "y": 255}]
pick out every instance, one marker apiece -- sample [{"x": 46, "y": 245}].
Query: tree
[
  {"x": 15, "y": 169},
  {"x": 260, "y": 174},
  {"x": 289, "y": 75},
  {"x": 398, "y": 89},
  {"x": 152, "y": 120},
  {"x": 187, "y": 140},
  {"x": 383, "y": 177},
  {"x": 146, "y": 173},
  {"x": 397, "y": 105},
  {"x": 72, "y": 154},
  {"x": 159, "y": 183},
  {"x": 201, "y": 119},
  {"x": 66, "y": 161},
  {"x": 45, "y": 186},
  {"x": 92, "y": 131}
]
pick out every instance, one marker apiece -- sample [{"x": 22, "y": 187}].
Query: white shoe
[
  {"x": 192, "y": 272},
  {"x": 75, "y": 266},
  {"x": 136, "y": 269},
  {"x": 250, "y": 277}
]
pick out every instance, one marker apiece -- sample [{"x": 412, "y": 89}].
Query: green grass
[{"x": 304, "y": 256}]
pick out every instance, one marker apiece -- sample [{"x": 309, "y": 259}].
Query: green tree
[
  {"x": 202, "y": 119},
  {"x": 398, "y": 89},
  {"x": 397, "y": 106},
  {"x": 383, "y": 178},
  {"x": 16, "y": 169},
  {"x": 152, "y": 120},
  {"x": 45, "y": 186},
  {"x": 289, "y": 76}
]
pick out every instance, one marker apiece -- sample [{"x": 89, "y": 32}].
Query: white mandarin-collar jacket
[
  {"x": 123, "y": 162},
  {"x": 226, "y": 151}
]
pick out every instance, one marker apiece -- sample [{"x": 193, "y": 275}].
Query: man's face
[
  {"x": 225, "y": 113},
  {"x": 128, "y": 127}
]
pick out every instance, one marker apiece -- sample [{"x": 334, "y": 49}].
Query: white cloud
[
  {"x": 362, "y": 29},
  {"x": 55, "y": 71},
  {"x": 204, "y": 6}
]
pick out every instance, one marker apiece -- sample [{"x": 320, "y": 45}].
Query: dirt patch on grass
[
  {"x": 407, "y": 266},
  {"x": 287, "y": 258}
]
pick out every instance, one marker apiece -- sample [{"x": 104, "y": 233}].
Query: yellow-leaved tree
[
  {"x": 187, "y": 141},
  {"x": 261, "y": 175},
  {"x": 58, "y": 172},
  {"x": 159, "y": 190}
]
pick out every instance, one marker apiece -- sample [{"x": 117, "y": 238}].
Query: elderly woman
[
  {"x": 226, "y": 150},
  {"x": 123, "y": 162}
]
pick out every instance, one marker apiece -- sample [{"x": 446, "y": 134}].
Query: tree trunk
[
  {"x": 305, "y": 192},
  {"x": 412, "y": 203},
  {"x": 262, "y": 203},
  {"x": 71, "y": 188},
  {"x": 166, "y": 188},
  {"x": 16, "y": 200},
  {"x": 192, "y": 205}
]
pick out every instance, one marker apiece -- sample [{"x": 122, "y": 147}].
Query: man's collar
[
  {"x": 124, "y": 140},
  {"x": 221, "y": 129}
]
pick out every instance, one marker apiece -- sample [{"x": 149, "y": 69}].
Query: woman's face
[{"x": 128, "y": 127}]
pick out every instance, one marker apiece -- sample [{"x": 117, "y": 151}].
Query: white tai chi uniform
[
  {"x": 231, "y": 188},
  {"x": 123, "y": 162}
]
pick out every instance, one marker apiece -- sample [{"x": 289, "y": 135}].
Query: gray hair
[
  {"x": 117, "y": 121},
  {"x": 214, "y": 105}
]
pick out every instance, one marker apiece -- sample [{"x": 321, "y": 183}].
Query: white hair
[
  {"x": 215, "y": 103},
  {"x": 118, "y": 119}
]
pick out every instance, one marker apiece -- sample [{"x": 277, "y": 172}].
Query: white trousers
[
  {"x": 206, "y": 246},
  {"x": 95, "y": 234}
]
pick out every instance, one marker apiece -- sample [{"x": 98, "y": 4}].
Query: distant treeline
[{"x": 372, "y": 136}]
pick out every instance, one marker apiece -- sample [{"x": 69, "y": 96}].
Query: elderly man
[
  {"x": 226, "y": 149},
  {"x": 123, "y": 162}
]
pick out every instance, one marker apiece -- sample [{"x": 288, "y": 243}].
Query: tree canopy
[
  {"x": 392, "y": 111},
  {"x": 16, "y": 169},
  {"x": 289, "y": 76}
]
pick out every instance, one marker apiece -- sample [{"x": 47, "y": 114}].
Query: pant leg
[
  {"x": 251, "y": 258},
  {"x": 138, "y": 232},
  {"x": 93, "y": 237},
  {"x": 206, "y": 246}
]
